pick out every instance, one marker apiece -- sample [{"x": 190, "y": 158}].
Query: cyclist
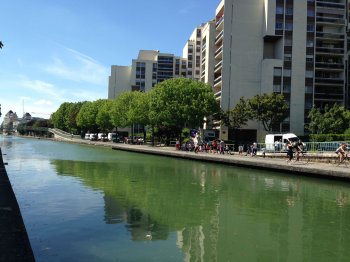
[
  {"x": 298, "y": 148},
  {"x": 341, "y": 152}
]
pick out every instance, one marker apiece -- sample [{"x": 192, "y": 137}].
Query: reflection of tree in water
[{"x": 218, "y": 211}]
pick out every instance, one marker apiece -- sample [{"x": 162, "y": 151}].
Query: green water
[{"x": 81, "y": 203}]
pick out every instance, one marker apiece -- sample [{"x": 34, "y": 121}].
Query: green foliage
[
  {"x": 269, "y": 109},
  {"x": 181, "y": 102},
  {"x": 120, "y": 109},
  {"x": 334, "y": 120},
  {"x": 86, "y": 118},
  {"x": 329, "y": 137},
  {"x": 103, "y": 117},
  {"x": 58, "y": 118},
  {"x": 238, "y": 116}
]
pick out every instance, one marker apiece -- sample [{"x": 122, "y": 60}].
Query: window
[
  {"x": 277, "y": 71},
  {"x": 286, "y": 88},
  {"x": 310, "y": 13},
  {"x": 289, "y": 11},
  {"x": 309, "y": 58},
  {"x": 310, "y": 28},
  {"x": 288, "y": 27},
  {"x": 279, "y": 25},
  {"x": 279, "y": 10},
  {"x": 308, "y": 89},
  {"x": 277, "y": 88},
  {"x": 288, "y": 42},
  {"x": 287, "y": 72},
  {"x": 287, "y": 57},
  {"x": 310, "y": 43},
  {"x": 309, "y": 74}
]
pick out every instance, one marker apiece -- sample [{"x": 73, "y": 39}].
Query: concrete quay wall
[
  {"x": 14, "y": 241},
  {"x": 320, "y": 169}
]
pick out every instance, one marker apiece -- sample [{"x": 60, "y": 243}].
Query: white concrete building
[
  {"x": 150, "y": 68},
  {"x": 294, "y": 47},
  {"x": 297, "y": 48}
]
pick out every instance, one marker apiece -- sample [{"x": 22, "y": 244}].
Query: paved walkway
[{"x": 14, "y": 242}]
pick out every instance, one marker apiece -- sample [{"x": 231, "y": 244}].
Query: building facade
[
  {"x": 150, "y": 67},
  {"x": 296, "y": 48}
]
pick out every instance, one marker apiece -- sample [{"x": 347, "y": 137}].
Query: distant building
[
  {"x": 150, "y": 67},
  {"x": 9, "y": 122}
]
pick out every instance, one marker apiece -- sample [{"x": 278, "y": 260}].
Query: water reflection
[{"x": 221, "y": 214}]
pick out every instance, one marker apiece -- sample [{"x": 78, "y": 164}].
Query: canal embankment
[
  {"x": 319, "y": 164},
  {"x": 14, "y": 241}
]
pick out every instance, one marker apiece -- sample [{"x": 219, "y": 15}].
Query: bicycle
[
  {"x": 345, "y": 160},
  {"x": 302, "y": 159}
]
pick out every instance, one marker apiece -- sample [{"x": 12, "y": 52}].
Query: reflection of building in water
[
  {"x": 199, "y": 243},
  {"x": 140, "y": 224},
  {"x": 114, "y": 213}
]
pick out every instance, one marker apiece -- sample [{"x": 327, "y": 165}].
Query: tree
[
  {"x": 58, "y": 118},
  {"x": 120, "y": 108},
  {"x": 1, "y": 45},
  {"x": 70, "y": 118},
  {"x": 238, "y": 116},
  {"x": 86, "y": 118},
  {"x": 103, "y": 117},
  {"x": 269, "y": 109},
  {"x": 180, "y": 102},
  {"x": 334, "y": 120}
]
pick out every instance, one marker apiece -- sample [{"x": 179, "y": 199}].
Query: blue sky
[{"x": 59, "y": 51}]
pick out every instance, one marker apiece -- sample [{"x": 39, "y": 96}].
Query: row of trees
[
  {"x": 171, "y": 105},
  {"x": 167, "y": 108}
]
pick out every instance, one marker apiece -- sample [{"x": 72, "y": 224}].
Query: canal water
[{"x": 83, "y": 203}]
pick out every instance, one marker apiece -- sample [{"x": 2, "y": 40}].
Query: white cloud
[
  {"x": 41, "y": 87},
  {"x": 43, "y": 102},
  {"x": 78, "y": 67}
]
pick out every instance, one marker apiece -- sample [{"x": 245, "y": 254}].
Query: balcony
[
  {"x": 219, "y": 36},
  {"x": 218, "y": 67},
  {"x": 218, "y": 53},
  {"x": 330, "y": 20},
  {"x": 219, "y": 23},
  {"x": 328, "y": 4},
  {"x": 330, "y": 50},
  {"x": 329, "y": 66},
  {"x": 218, "y": 82},
  {"x": 218, "y": 95},
  {"x": 329, "y": 36},
  {"x": 319, "y": 80}
]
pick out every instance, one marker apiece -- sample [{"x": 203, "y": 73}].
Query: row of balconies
[
  {"x": 330, "y": 20},
  {"x": 330, "y": 50},
  {"x": 329, "y": 4},
  {"x": 330, "y": 36}
]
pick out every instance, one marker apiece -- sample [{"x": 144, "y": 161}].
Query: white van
[{"x": 277, "y": 142}]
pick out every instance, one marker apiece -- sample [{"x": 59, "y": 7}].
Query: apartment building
[
  {"x": 296, "y": 48},
  {"x": 150, "y": 67}
]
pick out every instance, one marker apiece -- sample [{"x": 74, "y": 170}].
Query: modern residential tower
[{"x": 298, "y": 48}]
